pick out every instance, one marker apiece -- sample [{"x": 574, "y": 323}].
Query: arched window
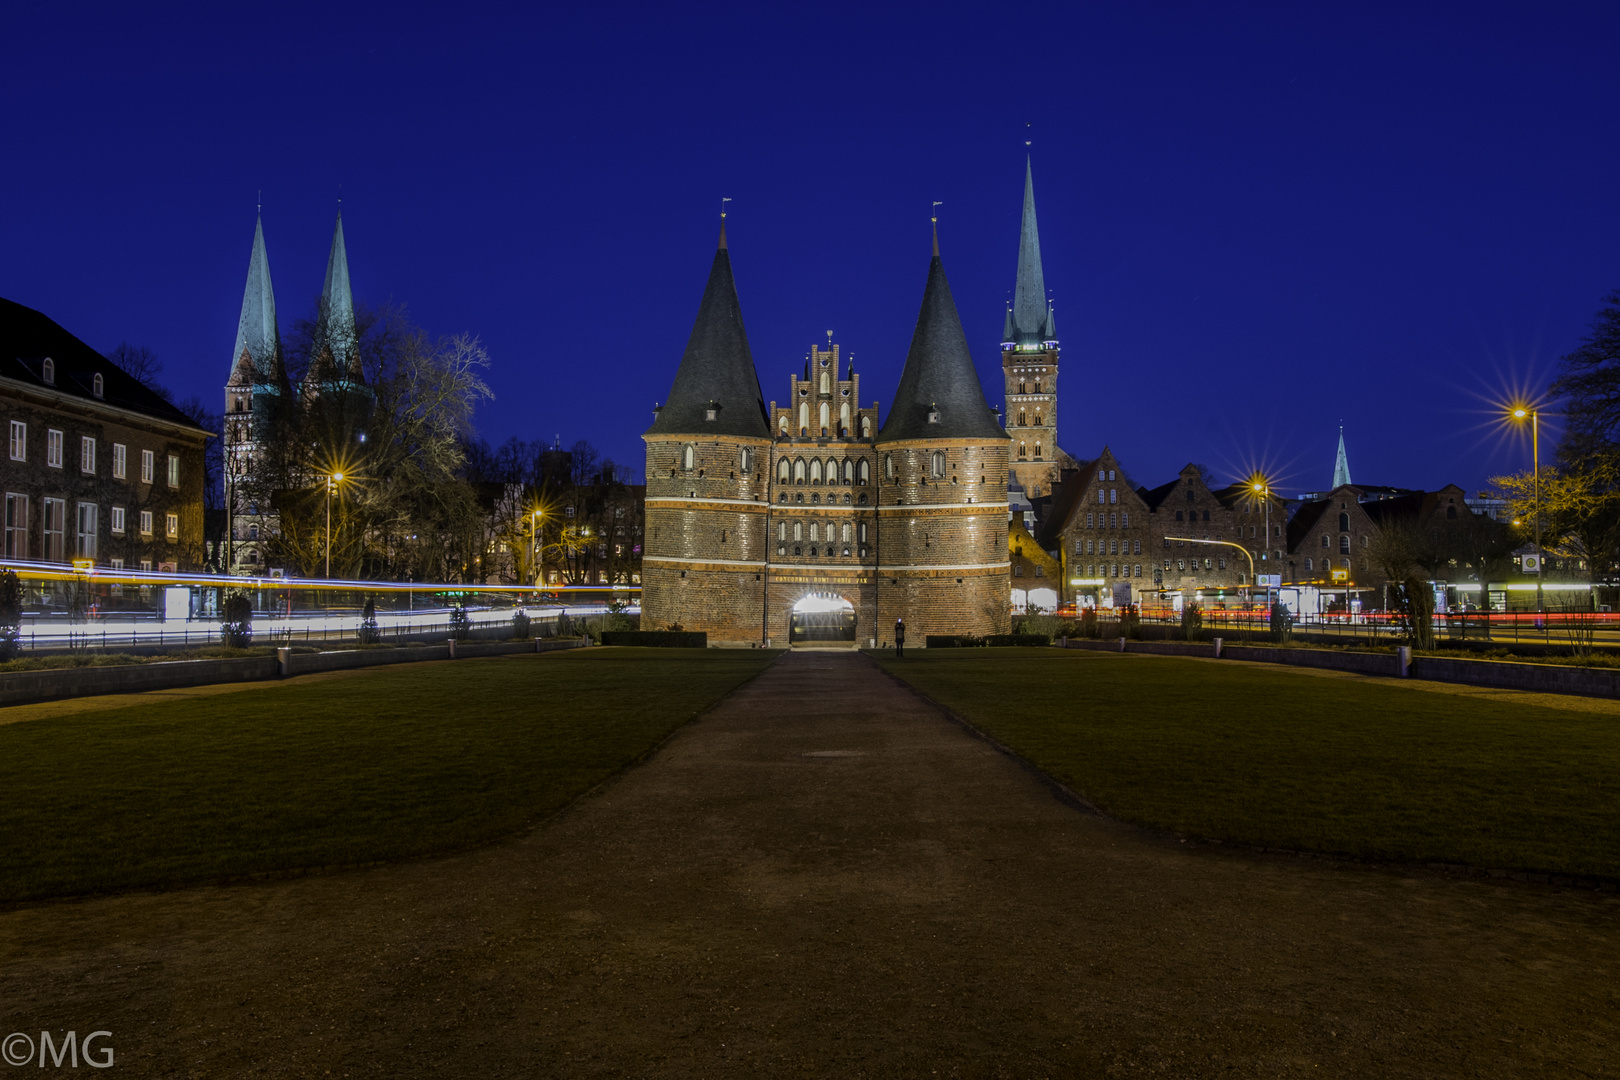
[
  {"x": 1021, "y": 421},
  {"x": 815, "y": 532},
  {"x": 1344, "y": 544},
  {"x": 1308, "y": 566},
  {"x": 849, "y": 471},
  {"x": 863, "y": 532},
  {"x": 865, "y": 471},
  {"x": 866, "y": 427},
  {"x": 815, "y": 470},
  {"x": 798, "y": 530},
  {"x": 1110, "y": 474},
  {"x": 826, "y": 388},
  {"x": 843, "y": 419},
  {"x": 1325, "y": 541},
  {"x": 1038, "y": 420},
  {"x": 688, "y": 458},
  {"x": 798, "y": 470},
  {"x": 804, "y": 418},
  {"x": 863, "y": 498},
  {"x": 1451, "y": 511},
  {"x": 783, "y": 426},
  {"x": 1037, "y": 386},
  {"x": 1037, "y": 451},
  {"x": 784, "y": 471},
  {"x": 1346, "y": 564},
  {"x": 825, "y": 415},
  {"x": 844, "y": 533},
  {"x": 1023, "y": 450},
  {"x": 939, "y": 463},
  {"x": 96, "y": 387},
  {"x": 748, "y": 459},
  {"x": 888, "y": 466},
  {"x": 1113, "y": 495},
  {"x": 1344, "y": 522},
  {"x": 815, "y": 499},
  {"x": 832, "y": 471},
  {"x": 47, "y": 371}
]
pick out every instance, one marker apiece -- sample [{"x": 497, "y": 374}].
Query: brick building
[
  {"x": 806, "y": 520},
  {"x": 99, "y": 466}
]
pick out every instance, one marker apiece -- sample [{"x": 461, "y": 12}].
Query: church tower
[
  {"x": 256, "y": 391},
  {"x": 1341, "y": 464},
  {"x": 708, "y": 452},
  {"x": 942, "y": 508},
  {"x": 1029, "y": 363}
]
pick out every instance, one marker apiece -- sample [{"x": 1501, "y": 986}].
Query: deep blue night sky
[{"x": 1256, "y": 219}]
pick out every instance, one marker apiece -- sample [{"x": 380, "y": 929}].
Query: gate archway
[{"x": 822, "y": 619}]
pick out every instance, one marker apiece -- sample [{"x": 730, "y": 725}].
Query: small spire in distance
[
  {"x": 723, "y": 200},
  {"x": 934, "y": 217}
]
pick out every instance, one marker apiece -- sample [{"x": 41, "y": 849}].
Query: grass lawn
[
  {"x": 380, "y": 764},
  {"x": 1279, "y": 759}
]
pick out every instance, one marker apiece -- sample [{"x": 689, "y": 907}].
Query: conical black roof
[
  {"x": 939, "y": 376},
  {"x": 717, "y": 369}
]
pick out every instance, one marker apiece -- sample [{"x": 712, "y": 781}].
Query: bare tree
[
  {"x": 142, "y": 363},
  {"x": 1403, "y": 555}
]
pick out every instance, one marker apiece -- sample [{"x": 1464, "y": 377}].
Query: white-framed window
[
  {"x": 54, "y": 530},
  {"x": 86, "y": 546},
  {"x": 16, "y": 526},
  {"x": 53, "y": 448},
  {"x": 174, "y": 470},
  {"x": 19, "y": 441},
  {"x": 148, "y": 466},
  {"x": 939, "y": 463},
  {"x": 98, "y": 385},
  {"x": 120, "y": 461},
  {"x": 146, "y": 522},
  {"x": 87, "y": 455},
  {"x": 116, "y": 564},
  {"x": 171, "y": 526},
  {"x": 146, "y": 566},
  {"x": 118, "y": 521}
]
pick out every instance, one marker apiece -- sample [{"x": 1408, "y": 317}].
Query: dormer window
[
  {"x": 712, "y": 412},
  {"x": 96, "y": 385},
  {"x": 47, "y": 371},
  {"x": 933, "y": 413}
]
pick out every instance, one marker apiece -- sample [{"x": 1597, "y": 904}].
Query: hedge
[
  {"x": 963, "y": 641},
  {"x": 658, "y": 639}
]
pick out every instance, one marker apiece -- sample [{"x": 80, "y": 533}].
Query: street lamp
[
  {"x": 534, "y": 544},
  {"x": 1519, "y": 413},
  {"x": 332, "y": 482},
  {"x": 1262, "y": 491}
]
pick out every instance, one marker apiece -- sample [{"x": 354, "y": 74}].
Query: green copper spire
[
  {"x": 258, "y": 343},
  {"x": 1030, "y": 321},
  {"x": 336, "y": 328},
  {"x": 1341, "y": 464}
]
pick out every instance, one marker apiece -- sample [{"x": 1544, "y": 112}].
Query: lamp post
[
  {"x": 1261, "y": 489},
  {"x": 534, "y": 545},
  {"x": 332, "y": 482},
  {"x": 1520, "y": 412}
]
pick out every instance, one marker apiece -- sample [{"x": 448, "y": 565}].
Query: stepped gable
[
  {"x": 939, "y": 376},
  {"x": 717, "y": 370},
  {"x": 27, "y": 337}
]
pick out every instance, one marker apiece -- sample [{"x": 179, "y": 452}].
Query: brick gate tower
[
  {"x": 707, "y": 454},
  {"x": 942, "y": 505},
  {"x": 1029, "y": 363}
]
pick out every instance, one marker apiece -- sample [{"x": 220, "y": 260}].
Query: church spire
[
  {"x": 1030, "y": 322},
  {"x": 258, "y": 343},
  {"x": 335, "y": 329},
  {"x": 1341, "y": 464}
]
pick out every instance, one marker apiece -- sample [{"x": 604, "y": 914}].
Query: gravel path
[{"x": 826, "y": 877}]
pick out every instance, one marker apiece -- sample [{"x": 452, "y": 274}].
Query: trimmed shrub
[
  {"x": 460, "y": 626},
  {"x": 520, "y": 625},
  {"x": 658, "y": 639},
  {"x": 1088, "y": 623},
  {"x": 236, "y": 621},
  {"x": 10, "y": 614},
  {"x": 369, "y": 632},
  {"x": 1192, "y": 620},
  {"x": 954, "y": 641},
  {"x": 999, "y": 640}
]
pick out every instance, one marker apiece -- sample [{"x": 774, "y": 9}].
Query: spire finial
[
  {"x": 934, "y": 218},
  {"x": 261, "y": 200},
  {"x": 1027, "y": 126},
  {"x": 723, "y": 200}
]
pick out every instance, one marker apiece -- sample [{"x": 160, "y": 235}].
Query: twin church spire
[
  {"x": 1029, "y": 318},
  {"x": 257, "y": 360}
]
